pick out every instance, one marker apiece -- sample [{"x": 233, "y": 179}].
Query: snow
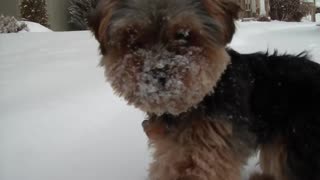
[
  {"x": 60, "y": 120},
  {"x": 153, "y": 94},
  {"x": 285, "y": 37},
  {"x": 35, "y": 27}
]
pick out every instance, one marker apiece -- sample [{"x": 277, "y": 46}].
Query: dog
[{"x": 209, "y": 107}]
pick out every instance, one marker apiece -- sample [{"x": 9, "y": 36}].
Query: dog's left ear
[
  {"x": 99, "y": 21},
  {"x": 225, "y": 11},
  {"x": 94, "y": 21},
  {"x": 232, "y": 8}
]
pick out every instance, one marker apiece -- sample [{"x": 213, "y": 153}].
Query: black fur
[{"x": 273, "y": 96}]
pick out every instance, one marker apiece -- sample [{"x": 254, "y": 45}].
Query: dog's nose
[
  {"x": 160, "y": 75},
  {"x": 162, "y": 81}
]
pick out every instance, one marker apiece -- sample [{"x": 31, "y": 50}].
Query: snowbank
[{"x": 35, "y": 27}]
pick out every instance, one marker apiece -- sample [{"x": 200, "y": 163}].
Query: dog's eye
[
  {"x": 134, "y": 42},
  {"x": 137, "y": 45}
]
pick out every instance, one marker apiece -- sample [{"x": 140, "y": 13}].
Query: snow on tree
[
  {"x": 11, "y": 25},
  {"x": 79, "y": 11},
  {"x": 263, "y": 15},
  {"x": 35, "y": 11},
  {"x": 263, "y": 8}
]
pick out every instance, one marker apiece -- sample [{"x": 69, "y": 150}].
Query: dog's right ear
[
  {"x": 99, "y": 19},
  {"x": 225, "y": 11}
]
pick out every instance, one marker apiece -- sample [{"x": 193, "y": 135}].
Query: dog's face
[{"x": 164, "y": 56}]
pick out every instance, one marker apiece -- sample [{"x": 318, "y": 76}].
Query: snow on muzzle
[{"x": 161, "y": 81}]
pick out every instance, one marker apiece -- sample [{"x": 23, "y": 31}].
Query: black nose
[
  {"x": 162, "y": 81},
  {"x": 160, "y": 75}
]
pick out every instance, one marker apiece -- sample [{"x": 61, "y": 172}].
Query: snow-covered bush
[
  {"x": 79, "y": 11},
  {"x": 35, "y": 11},
  {"x": 11, "y": 25}
]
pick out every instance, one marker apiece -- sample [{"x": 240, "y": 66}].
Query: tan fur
[
  {"x": 273, "y": 160},
  {"x": 199, "y": 151}
]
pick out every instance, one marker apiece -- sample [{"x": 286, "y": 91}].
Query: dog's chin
[
  {"x": 169, "y": 84},
  {"x": 172, "y": 101}
]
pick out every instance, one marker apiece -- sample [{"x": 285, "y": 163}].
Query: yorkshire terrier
[{"x": 209, "y": 107}]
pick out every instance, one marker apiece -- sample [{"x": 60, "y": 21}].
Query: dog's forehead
[
  {"x": 158, "y": 6},
  {"x": 155, "y": 10},
  {"x": 162, "y": 17}
]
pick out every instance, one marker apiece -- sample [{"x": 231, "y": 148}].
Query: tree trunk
[
  {"x": 314, "y": 9},
  {"x": 254, "y": 7}
]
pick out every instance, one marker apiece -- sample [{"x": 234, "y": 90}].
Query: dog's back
[{"x": 283, "y": 112}]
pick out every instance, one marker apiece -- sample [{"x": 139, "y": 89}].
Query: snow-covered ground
[
  {"x": 286, "y": 37},
  {"x": 59, "y": 120}
]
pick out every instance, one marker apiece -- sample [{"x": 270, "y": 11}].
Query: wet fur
[{"x": 246, "y": 101}]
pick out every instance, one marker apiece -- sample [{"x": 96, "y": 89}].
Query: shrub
[
  {"x": 79, "y": 11},
  {"x": 11, "y": 25}
]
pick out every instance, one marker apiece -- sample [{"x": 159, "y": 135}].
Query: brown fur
[
  {"x": 99, "y": 21},
  {"x": 226, "y": 11},
  {"x": 201, "y": 149},
  {"x": 273, "y": 158}
]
